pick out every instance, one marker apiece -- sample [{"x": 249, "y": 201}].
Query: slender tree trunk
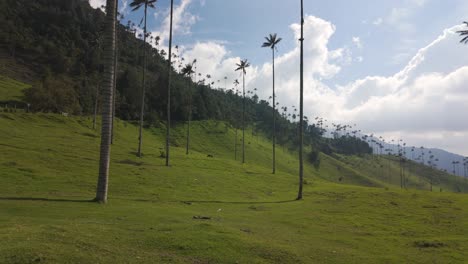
[
  {"x": 115, "y": 72},
  {"x": 143, "y": 89},
  {"x": 274, "y": 115},
  {"x": 96, "y": 98},
  {"x": 168, "y": 125},
  {"x": 243, "y": 117},
  {"x": 301, "y": 106},
  {"x": 401, "y": 174},
  {"x": 189, "y": 117},
  {"x": 235, "y": 146},
  {"x": 108, "y": 78}
]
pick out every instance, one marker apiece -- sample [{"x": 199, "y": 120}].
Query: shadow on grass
[{"x": 44, "y": 199}]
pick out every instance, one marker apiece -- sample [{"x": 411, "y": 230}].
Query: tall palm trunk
[
  {"x": 301, "y": 107},
  {"x": 189, "y": 117},
  {"x": 235, "y": 146},
  {"x": 168, "y": 125},
  {"x": 243, "y": 118},
  {"x": 274, "y": 115},
  {"x": 96, "y": 98},
  {"x": 140, "y": 136},
  {"x": 108, "y": 78},
  {"x": 115, "y": 74}
]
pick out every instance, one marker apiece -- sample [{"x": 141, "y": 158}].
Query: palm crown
[
  {"x": 136, "y": 4},
  {"x": 464, "y": 33},
  {"x": 188, "y": 70},
  {"x": 271, "y": 41},
  {"x": 244, "y": 64}
]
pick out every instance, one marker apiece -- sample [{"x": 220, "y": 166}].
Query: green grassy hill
[
  {"x": 11, "y": 90},
  {"x": 48, "y": 168},
  {"x": 386, "y": 169}
]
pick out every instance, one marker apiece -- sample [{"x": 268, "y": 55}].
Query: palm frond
[
  {"x": 278, "y": 40},
  {"x": 464, "y": 33},
  {"x": 136, "y": 4},
  {"x": 271, "y": 41}
]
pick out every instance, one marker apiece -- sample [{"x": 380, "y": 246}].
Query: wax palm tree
[
  {"x": 242, "y": 66},
  {"x": 137, "y": 4},
  {"x": 301, "y": 107},
  {"x": 236, "y": 83},
  {"x": 169, "y": 70},
  {"x": 119, "y": 18},
  {"x": 107, "y": 94},
  {"x": 271, "y": 41},
  {"x": 188, "y": 71}
]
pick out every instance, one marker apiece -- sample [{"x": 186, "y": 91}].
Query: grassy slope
[
  {"x": 417, "y": 176},
  {"x": 48, "y": 168},
  {"x": 11, "y": 90}
]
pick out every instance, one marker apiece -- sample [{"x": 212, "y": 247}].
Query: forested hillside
[{"x": 58, "y": 44}]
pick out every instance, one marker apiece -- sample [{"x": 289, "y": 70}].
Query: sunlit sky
[{"x": 394, "y": 68}]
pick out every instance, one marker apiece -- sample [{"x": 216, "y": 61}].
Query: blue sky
[{"x": 393, "y": 67}]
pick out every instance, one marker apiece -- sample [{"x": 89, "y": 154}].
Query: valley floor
[{"x": 48, "y": 173}]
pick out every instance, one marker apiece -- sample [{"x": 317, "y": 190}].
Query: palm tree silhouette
[
  {"x": 271, "y": 42},
  {"x": 169, "y": 71},
  {"x": 188, "y": 71},
  {"x": 301, "y": 106},
  {"x": 242, "y": 66},
  {"x": 464, "y": 34},
  {"x": 236, "y": 83},
  {"x": 107, "y": 95},
  {"x": 137, "y": 4}
]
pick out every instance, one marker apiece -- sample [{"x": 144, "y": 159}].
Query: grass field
[
  {"x": 11, "y": 90},
  {"x": 48, "y": 173}
]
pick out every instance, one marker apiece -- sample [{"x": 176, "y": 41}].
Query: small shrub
[
  {"x": 314, "y": 158},
  {"x": 429, "y": 244}
]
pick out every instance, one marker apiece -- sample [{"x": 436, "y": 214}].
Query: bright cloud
[
  {"x": 357, "y": 42},
  {"x": 425, "y": 98}
]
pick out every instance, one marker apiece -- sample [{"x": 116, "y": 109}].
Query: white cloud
[
  {"x": 182, "y": 21},
  {"x": 400, "y": 17},
  {"x": 97, "y": 3},
  {"x": 357, "y": 42},
  {"x": 123, "y": 7},
  {"x": 378, "y": 21},
  {"x": 426, "y": 98},
  {"x": 423, "y": 103}
]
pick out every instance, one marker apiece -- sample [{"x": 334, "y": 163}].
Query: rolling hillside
[{"x": 155, "y": 214}]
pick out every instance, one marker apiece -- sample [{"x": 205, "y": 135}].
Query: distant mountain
[
  {"x": 445, "y": 159},
  {"x": 441, "y": 159}
]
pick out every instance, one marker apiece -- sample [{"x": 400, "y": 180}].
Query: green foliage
[
  {"x": 63, "y": 38},
  {"x": 53, "y": 95},
  {"x": 348, "y": 145},
  {"x": 314, "y": 158},
  {"x": 11, "y": 90}
]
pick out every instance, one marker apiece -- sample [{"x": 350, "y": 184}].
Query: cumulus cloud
[
  {"x": 357, "y": 42},
  {"x": 426, "y": 98},
  {"x": 378, "y": 21},
  {"x": 97, "y": 3},
  {"x": 424, "y": 101},
  {"x": 182, "y": 21}
]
